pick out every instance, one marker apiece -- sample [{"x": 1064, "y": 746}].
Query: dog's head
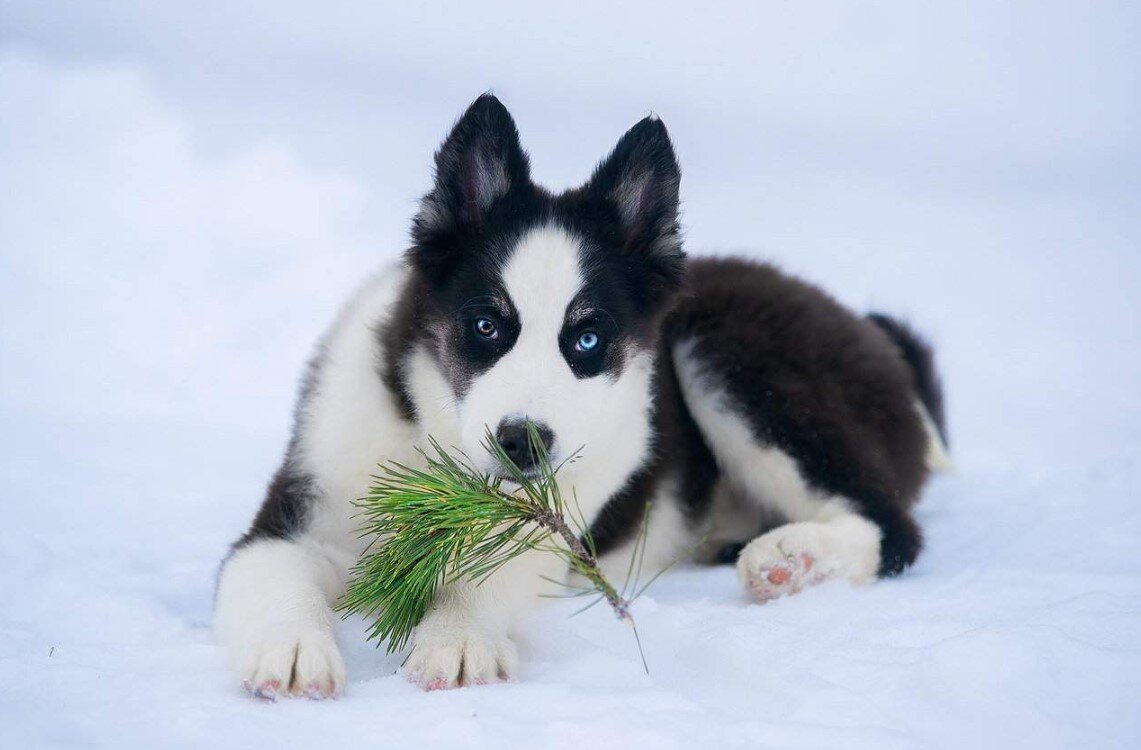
[{"x": 545, "y": 307}]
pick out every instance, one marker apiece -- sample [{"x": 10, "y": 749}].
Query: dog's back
[{"x": 803, "y": 403}]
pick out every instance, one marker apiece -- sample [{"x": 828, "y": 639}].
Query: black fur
[
  {"x": 728, "y": 554},
  {"x": 286, "y": 507},
  {"x": 469, "y": 223},
  {"x": 815, "y": 381},
  {"x": 291, "y": 492},
  {"x": 678, "y": 453},
  {"x": 396, "y": 337},
  {"x": 921, "y": 360},
  {"x": 482, "y": 178},
  {"x": 635, "y": 189}
]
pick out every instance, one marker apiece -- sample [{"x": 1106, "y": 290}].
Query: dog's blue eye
[
  {"x": 586, "y": 341},
  {"x": 487, "y": 329}
]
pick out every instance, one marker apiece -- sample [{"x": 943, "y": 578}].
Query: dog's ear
[
  {"x": 479, "y": 163},
  {"x": 640, "y": 180}
]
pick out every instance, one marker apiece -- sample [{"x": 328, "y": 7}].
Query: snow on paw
[
  {"x": 783, "y": 561},
  {"x": 308, "y": 665},
  {"x": 444, "y": 659}
]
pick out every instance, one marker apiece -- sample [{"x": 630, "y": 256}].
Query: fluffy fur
[{"x": 747, "y": 406}]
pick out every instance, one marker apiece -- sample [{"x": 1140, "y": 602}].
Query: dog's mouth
[
  {"x": 510, "y": 477},
  {"x": 510, "y": 480}
]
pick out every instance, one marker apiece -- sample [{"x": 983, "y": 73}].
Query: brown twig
[{"x": 588, "y": 566}]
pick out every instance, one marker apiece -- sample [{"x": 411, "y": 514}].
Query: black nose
[{"x": 513, "y": 439}]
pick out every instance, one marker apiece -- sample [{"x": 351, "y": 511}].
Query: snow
[{"x": 188, "y": 196}]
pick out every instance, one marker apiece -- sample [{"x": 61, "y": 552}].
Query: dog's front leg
[
  {"x": 272, "y": 614},
  {"x": 465, "y": 638}
]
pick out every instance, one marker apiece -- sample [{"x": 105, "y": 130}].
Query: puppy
[{"x": 746, "y": 406}]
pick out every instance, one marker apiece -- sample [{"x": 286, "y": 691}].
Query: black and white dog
[{"x": 750, "y": 408}]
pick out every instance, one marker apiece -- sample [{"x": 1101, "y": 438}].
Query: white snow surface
[{"x": 188, "y": 193}]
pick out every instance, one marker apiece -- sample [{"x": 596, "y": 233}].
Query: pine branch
[
  {"x": 448, "y": 522},
  {"x": 584, "y": 563}
]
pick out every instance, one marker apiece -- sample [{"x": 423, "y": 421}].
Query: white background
[{"x": 188, "y": 192}]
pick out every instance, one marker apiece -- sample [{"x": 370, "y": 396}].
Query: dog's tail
[{"x": 920, "y": 358}]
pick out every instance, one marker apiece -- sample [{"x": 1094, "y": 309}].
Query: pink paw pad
[
  {"x": 268, "y": 691},
  {"x": 778, "y": 580},
  {"x": 437, "y": 684},
  {"x": 315, "y": 692}
]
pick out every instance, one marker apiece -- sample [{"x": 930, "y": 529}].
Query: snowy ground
[{"x": 187, "y": 197}]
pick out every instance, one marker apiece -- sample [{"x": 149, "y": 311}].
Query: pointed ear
[
  {"x": 640, "y": 180},
  {"x": 479, "y": 163}
]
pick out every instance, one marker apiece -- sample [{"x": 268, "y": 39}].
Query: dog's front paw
[
  {"x": 446, "y": 658},
  {"x": 305, "y": 665}
]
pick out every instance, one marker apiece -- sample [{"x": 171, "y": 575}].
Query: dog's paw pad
[
  {"x": 315, "y": 691},
  {"x": 270, "y": 690},
  {"x": 771, "y": 567},
  {"x": 449, "y": 660},
  {"x": 307, "y": 666},
  {"x": 778, "y": 575}
]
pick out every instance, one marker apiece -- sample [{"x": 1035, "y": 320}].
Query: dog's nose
[{"x": 513, "y": 438}]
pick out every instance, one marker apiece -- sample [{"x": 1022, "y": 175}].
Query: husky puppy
[{"x": 749, "y": 407}]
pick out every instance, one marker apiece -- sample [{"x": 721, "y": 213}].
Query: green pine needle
[{"x": 448, "y": 522}]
